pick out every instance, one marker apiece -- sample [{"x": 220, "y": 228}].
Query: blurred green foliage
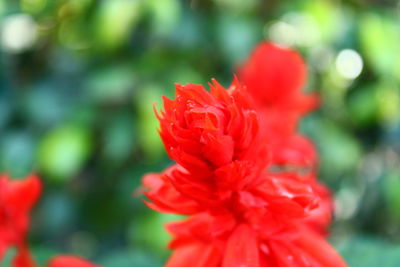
[{"x": 79, "y": 78}]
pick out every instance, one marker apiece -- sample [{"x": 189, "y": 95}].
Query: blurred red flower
[
  {"x": 275, "y": 77},
  {"x": 17, "y": 198}
]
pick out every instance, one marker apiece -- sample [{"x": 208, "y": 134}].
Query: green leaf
[
  {"x": 379, "y": 37},
  {"x": 165, "y": 14},
  {"x": 388, "y": 95},
  {"x": 391, "y": 187},
  {"x": 237, "y": 36},
  {"x": 43, "y": 254},
  {"x": 129, "y": 259},
  {"x": 64, "y": 150},
  {"x": 149, "y": 230},
  {"x": 328, "y": 19},
  {"x": 115, "y": 19},
  {"x": 369, "y": 252},
  {"x": 111, "y": 84},
  {"x": 363, "y": 106},
  {"x": 6, "y": 261},
  {"x": 119, "y": 138},
  {"x": 148, "y": 124},
  {"x": 17, "y": 153},
  {"x": 340, "y": 151}
]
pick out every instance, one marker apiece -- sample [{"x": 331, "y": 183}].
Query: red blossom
[
  {"x": 275, "y": 78},
  {"x": 204, "y": 130},
  {"x": 240, "y": 212},
  {"x": 17, "y": 198}
]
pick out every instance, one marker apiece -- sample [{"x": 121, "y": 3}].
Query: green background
[{"x": 78, "y": 79}]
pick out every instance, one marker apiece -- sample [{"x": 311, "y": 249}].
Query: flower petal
[
  {"x": 195, "y": 255},
  {"x": 319, "y": 249},
  {"x": 69, "y": 261},
  {"x": 242, "y": 248}
]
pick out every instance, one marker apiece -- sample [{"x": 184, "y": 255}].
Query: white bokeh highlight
[
  {"x": 349, "y": 64},
  {"x": 18, "y": 33}
]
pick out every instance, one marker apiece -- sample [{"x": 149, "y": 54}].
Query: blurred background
[{"x": 78, "y": 79}]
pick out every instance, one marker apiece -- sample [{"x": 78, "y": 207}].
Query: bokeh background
[{"x": 78, "y": 79}]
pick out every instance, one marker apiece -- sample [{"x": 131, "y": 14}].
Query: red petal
[
  {"x": 3, "y": 248},
  {"x": 242, "y": 249},
  {"x": 23, "y": 194},
  {"x": 17, "y": 198},
  {"x": 165, "y": 197},
  {"x": 23, "y": 258},
  {"x": 195, "y": 255},
  {"x": 193, "y": 229},
  {"x": 319, "y": 249},
  {"x": 272, "y": 73},
  {"x": 218, "y": 149},
  {"x": 69, "y": 261}
]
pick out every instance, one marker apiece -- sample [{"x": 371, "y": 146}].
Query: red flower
[
  {"x": 244, "y": 248},
  {"x": 261, "y": 226},
  {"x": 204, "y": 130},
  {"x": 240, "y": 213},
  {"x": 16, "y": 201},
  {"x": 275, "y": 78}
]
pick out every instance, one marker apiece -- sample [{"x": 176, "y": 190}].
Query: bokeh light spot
[
  {"x": 349, "y": 63},
  {"x": 18, "y": 33}
]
